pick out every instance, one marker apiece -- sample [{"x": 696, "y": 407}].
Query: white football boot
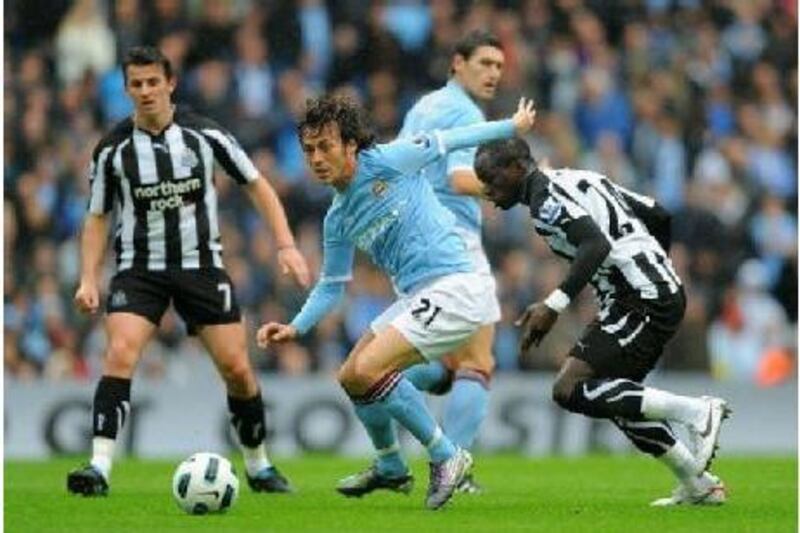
[
  {"x": 707, "y": 489},
  {"x": 704, "y": 434}
]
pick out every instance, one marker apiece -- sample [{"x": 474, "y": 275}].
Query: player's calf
[
  {"x": 433, "y": 377},
  {"x": 601, "y": 398},
  {"x": 249, "y": 421}
]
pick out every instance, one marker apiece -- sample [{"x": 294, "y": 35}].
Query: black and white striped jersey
[
  {"x": 162, "y": 188},
  {"x": 636, "y": 263}
]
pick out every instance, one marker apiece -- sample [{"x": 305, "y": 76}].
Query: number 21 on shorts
[{"x": 424, "y": 311}]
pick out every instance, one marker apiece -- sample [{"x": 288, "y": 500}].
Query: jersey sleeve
[
  {"x": 337, "y": 267},
  {"x": 230, "y": 155},
  {"x": 101, "y": 180},
  {"x": 464, "y": 158},
  {"x": 656, "y": 219},
  {"x": 409, "y": 155},
  {"x": 591, "y": 249}
]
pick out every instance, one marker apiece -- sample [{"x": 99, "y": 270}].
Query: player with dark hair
[
  {"x": 384, "y": 206},
  {"x": 616, "y": 240},
  {"x": 156, "y": 171},
  {"x": 477, "y": 65}
]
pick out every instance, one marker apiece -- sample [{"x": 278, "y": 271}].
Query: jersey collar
[
  {"x": 453, "y": 84},
  {"x": 532, "y": 183},
  {"x": 161, "y": 132}
]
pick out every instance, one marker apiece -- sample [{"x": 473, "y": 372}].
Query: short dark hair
[
  {"x": 339, "y": 110},
  {"x": 145, "y": 55},
  {"x": 473, "y": 40},
  {"x": 497, "y": 155}
]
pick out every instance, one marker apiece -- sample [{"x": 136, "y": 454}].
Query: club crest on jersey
[
  {"x": 379, "y": 188},
  {"x": 118, "y": 299},
  {"x": 189, "y": 158},
  {"x": 422, "y": 140},
  {"x": 550, "y": 210}
]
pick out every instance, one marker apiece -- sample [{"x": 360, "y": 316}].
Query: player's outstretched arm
[
  {"x": 94, "y": 237},
  {"x": 268, "y": 204},
  {"x": 409, "y": 155}
]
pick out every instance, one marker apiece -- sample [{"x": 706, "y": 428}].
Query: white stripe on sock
[
  {"x": 394, "y": 448},
  {"x": 255, "y": 459},
  {"x": 103, "y": 455},
  {"x": 437, "y": 436}
]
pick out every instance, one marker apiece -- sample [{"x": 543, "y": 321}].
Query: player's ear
[
  {"x": 351, "y": 148},
  {"x": 458, "y": 62},
  {"x": 172, "y": 82}
]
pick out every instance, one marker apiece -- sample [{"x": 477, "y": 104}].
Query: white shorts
[
  {"x": 475, "y": 250},
  {"x": 481, "y": 264},
  {"x": 440, "y": 316}
]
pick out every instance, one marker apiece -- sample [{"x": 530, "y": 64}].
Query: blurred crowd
[{"x": 691, "y": 101}]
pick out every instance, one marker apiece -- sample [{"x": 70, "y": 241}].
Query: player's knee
[
  {"x": 351, "y": 378},
  {"x": 121, "y": 356},
  {"x": 364, "y": 374},
  {"x": 483, "y": 365},
  {"x": 562, "y": 391},
  {"x": 236, "y": 372},
  {"x": 343, "y": 375}
]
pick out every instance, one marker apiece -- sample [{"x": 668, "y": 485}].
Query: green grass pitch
[{"x": 596, "y": 494}]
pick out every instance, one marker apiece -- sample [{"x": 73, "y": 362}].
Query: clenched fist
[
  {"x": 274, "y": 332},
  {"x": 87, "y": 297}
]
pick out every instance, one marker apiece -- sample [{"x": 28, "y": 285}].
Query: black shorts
[
  {"x": 201, "y": 297},
  {"x": 628, "y": 336}
]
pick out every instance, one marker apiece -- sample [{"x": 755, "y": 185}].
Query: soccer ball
[{"x": 205, "y": 483}]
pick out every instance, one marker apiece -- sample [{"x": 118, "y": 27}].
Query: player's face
[
  {"x": 330, "y": 159},
  {"x": 502, "y": 186},
  {"x": 480, "y": 74},
  {"x": 150, "y": 89}
]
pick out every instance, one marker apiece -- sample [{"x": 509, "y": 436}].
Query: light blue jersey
[
  {"x": 442, "y": 109},
  {"x": 390, "y": 211}
]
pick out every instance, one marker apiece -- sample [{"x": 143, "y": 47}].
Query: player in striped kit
[
  {"x": 616, "y": 240},
  {"x": 156, "y": 170}
]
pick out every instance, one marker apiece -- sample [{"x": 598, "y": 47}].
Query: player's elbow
[{"x": 561, "y": 393}]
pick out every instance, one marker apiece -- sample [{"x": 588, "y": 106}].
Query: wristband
[{"x": 557, "y": 301}]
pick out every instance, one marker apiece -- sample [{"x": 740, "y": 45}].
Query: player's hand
[
  {"x": 274, "y": 332},
  {"x": 525, "y": 117},
  {"x": 87, "y": 297},
  {"x": 536, "y": 322},
  {"x": 292, "y": 262}
]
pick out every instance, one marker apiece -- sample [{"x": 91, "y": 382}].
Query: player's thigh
[
  {"x": 386, "y": 352},
  {"x": 625, "y": 341},
  {"x": 127, "y": 335},
  {"x": 204, "y": 297},
  {"x": 475, "y": 353},
  {"x": 227, "y": 346},
  {"x": 141, "y": 293},
  {"x": 572, "y": 372}
]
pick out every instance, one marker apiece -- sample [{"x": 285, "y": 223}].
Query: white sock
[
  {"x": 255, "y": 459},
  {"x": 681, "y": 461},
  {"x": 662, "y": 405},
  {"x": 103, "y": 455}
]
